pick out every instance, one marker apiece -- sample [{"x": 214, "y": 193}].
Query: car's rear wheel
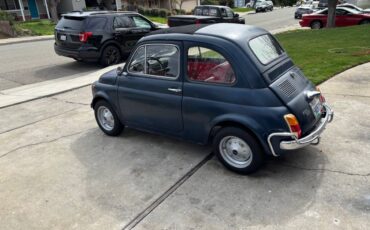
[
  {"x": 111, "y": 55},
  {"x": 238, "y": 150},
  {"x": 363, "y": 22},
  {"x": 107, "y": 118},
  {"x": 316, "y": 25}
]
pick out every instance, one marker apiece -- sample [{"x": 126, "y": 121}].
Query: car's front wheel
[
  {"x": 316, "y": 25},
  {"x": 238, "y": 150},
  {"x": 107, "y": 118},
  {"x": 111, "y": 55}
]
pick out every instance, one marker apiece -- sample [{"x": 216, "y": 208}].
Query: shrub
[
  {"x": 163, "y": 13},
  {"x": 154, "y": 12},
  {"x": 146, "y": 11},
  {"x": 5, "y": 16},
  {"x": 141, "y": 10}
]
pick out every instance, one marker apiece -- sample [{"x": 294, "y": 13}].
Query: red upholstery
[{"x": 210, "y": 71}]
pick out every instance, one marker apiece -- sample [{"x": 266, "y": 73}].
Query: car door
[
  {"x": 227, "y": 15},
  {"x": 150, "y": 88},
  {"x": 123, "y": 26}
]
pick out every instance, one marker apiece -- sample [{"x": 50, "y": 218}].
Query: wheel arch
[{"x": 248, "y": 125}]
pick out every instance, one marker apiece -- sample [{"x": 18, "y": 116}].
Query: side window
[
  {"x": 156, "y": 60},
  {"x": 205, "y": 12},
  {"x": 137, "y": 64},
  {"x": 229, "y": 13},
  {"x": 207, "y": 65},
  {"x": 96, "y": 24},
  {"x": 162, "y": 60},
  {"x": 122, "y": 22},
  {"x": 198, "y": 11},
  {"x": 223, "y": 13},
  {"x": 213, "y": 12},
  {"x": 141, "y": 22}
]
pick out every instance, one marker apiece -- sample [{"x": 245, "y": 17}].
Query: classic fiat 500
[{"x": 227, "y": 84}]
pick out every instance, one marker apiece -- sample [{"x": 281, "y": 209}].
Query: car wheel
[
  {"x": 238, "y": 150},
  {"x": 316, "y": 25},
  {"x": 111, "y": 55},
  {"x": 363, "y": 22},
  {"x": 107, "y": 118}
]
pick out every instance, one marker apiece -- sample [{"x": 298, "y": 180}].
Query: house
[
  {"x": 26, "y": 9},
  {"x": 39, "y": 9}
]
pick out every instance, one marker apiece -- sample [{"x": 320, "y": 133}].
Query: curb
[
  {"x": 10, "y": 41},
  {"x": 49, "y": 88}
]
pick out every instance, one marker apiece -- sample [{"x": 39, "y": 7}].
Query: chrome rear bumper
[{"x": 312, "y": 138}]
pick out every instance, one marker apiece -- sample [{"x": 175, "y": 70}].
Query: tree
[
  {"x": 332, "y": 5},
  {"x": 53, "y": 4}
]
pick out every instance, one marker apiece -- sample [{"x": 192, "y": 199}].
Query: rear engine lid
[{"x": 300, "y": 96}]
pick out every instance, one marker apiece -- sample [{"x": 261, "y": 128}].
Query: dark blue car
[{"x": 227, "y": 84}]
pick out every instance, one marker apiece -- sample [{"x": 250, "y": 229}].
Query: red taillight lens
[
  {"x": 197, "y": 22},
  {"x": 85, "y": 36},
  {"x": 293, "y": 125}
]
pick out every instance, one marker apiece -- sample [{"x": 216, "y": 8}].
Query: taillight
[
  {"x": 322, "y": 98},
  {"x": 293, "y": 125},
  {"x": 84, "y": 36},
  {"x": 197, "y": 22}
]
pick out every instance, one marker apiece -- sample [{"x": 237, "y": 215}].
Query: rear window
[
  {"x": 72, "y": 23},
  {"x": 266, "y": 48}
]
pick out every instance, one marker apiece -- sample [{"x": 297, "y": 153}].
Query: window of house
[
  {"x": 156, "y": 60},
  {"x": 207, "y": 65},
  {"x": 9, "y": 5},
  {"x": 141, "y": 22}
]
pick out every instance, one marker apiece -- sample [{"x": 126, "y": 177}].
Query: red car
[{"x": 344, "y": 17}]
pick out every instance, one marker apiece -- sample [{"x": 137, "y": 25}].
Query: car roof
[
  {"x": 228, "y": 31},
  {"x": 215, "y": 6},
  {"x": 97, "y": 13}
]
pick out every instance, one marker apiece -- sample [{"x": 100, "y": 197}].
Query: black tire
[
  {"x": 111, "y": 55},
  {"x": 363, "y": 22},
  {"x": 316, "y": 25},
  {"x": 113, "y": 130},
  {"x": 231, "y": 136}
]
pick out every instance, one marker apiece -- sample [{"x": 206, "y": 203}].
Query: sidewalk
[
  {"x": 47, "y": 88},
  {"x": 9, "y": 41}
]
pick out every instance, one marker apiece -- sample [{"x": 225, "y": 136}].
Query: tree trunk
[
  {"x": 53, "y": 10},
  {"x": 332, "y": 5}
]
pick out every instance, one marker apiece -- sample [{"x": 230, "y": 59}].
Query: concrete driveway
[{"x": 59, "y": 171}]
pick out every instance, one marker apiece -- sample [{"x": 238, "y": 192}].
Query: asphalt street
[{"x": 27, "y": 63}]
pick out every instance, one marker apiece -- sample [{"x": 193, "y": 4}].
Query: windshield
[{"x": 266, "y": 48}]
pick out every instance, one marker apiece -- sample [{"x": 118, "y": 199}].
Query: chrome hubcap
[
  {"x": 235, "y": 151},
  {"x": 105, "y": 118}
]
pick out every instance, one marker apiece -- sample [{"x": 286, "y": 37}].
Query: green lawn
[
  {"x": 37, "y": 27},
  {"x": 242, "y": 9},
  {"x": 157, "y": 19},
  {"x": 326, "y": 52}
]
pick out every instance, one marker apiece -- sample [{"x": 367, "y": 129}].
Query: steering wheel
[{"x": 157, "y": 60}]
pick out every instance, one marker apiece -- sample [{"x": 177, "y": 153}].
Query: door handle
[{"x": 176, "y": 90}]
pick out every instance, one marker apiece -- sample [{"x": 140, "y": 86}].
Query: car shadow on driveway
[{"x": 125, "y": 174}]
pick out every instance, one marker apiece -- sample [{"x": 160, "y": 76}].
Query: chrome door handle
[{"x": 176, "y": 90}]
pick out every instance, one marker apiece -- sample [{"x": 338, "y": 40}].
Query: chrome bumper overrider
[{"x": 312, "y": 138}]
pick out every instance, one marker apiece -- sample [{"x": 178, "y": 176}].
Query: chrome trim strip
[{"x": 312, "y": 138}]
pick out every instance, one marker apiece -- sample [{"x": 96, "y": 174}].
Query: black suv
[{"x": 103, "y": 36}]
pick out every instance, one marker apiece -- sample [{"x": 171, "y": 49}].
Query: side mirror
[
  {"x": 236, "y": 15},
  {"x": 119, "y": 71}
]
